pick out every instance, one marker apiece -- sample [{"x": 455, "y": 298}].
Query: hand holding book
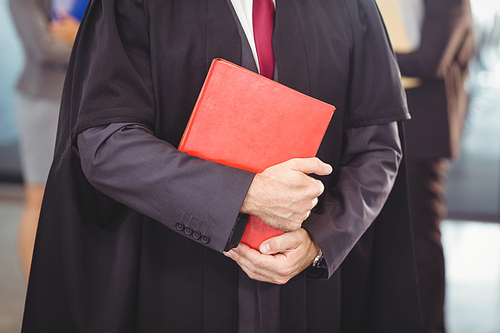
[
  {"x": 283, "y": 195},
  {"x": 281, "y": 258}
]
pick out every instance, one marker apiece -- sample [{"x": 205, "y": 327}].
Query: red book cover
[{"x": 247, "y": 121}]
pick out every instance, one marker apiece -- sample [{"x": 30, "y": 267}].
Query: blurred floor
[
  {"x": 472, "y": 251},
  {"x": 12, "y": 284}
]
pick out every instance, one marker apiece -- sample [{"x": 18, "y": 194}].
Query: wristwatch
[{"x": 317, "y": 260}]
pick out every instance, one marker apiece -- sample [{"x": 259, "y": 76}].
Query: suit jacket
[
  {"x": 101, "y": 266},
  {"x": 46, "y": 59},
  {"x": 438, "y": 107}
]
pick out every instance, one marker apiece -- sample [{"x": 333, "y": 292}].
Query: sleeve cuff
[{"x": 237, "y": 233}]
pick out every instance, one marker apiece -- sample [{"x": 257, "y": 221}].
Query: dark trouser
[{"x": 427, "y": 186}]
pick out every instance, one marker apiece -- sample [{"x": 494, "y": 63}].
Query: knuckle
[
  {"x": 314, "y": 202},
  {"x": 314, "y": 163},
  {"x": 302, "y": 218},
  {"x": 319, "y": 188},
  {"x": 315, "y": 188},
  {"x": 305, "y": 205},
  {"x": 296, "y": 222}
]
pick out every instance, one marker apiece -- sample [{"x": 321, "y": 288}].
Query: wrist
[
  {"x": 249, "y": 203},
  {"x": 318, "y": 258}
]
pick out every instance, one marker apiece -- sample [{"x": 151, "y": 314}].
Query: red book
[{"x": 244, "y": 120}]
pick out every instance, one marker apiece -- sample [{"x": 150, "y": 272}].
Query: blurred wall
[{"x": 473, "y": 191}]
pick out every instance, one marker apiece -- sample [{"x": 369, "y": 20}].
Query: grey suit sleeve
[
  {"x": 368, "y": 169},
  {"x": 129, "y": 164},
  {"x": 32, "y": 20}
]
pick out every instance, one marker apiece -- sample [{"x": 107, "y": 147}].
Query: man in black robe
[{"x": 110, "y": 255}]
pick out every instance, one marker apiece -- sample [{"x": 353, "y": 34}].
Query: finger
[
  {"x": 241, "y": 260},
  {"x": 268, "y": 268},
  {"x": 257, "y": 261},
  {"x": 296, "y": 219},
  {"x": 305, "y": 206},
  {"x": 270, "y": 278},
  {"x": 245, "y": 266},
  {"x": 271, "y": 274},
  {"x": 244, "y": 255},
  {"x": 314, "y": 203},
  {"x": 311, "y": 165},
  {"x": 255, "y": 264},
  {"x": 279, "y": 244}
]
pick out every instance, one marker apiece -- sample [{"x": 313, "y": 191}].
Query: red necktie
[{"x": 263, "y": 26}]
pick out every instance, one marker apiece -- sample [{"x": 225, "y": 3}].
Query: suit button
[
  {"x": 205, "y": 239},
  {"x": 188, "y": 231},
  {"x": 196, "y": 234},
  {"x": 179, "y": 226}
]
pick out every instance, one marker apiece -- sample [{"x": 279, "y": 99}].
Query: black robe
[{"x": 100, "y": 266}]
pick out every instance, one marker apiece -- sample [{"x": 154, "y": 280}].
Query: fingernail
[
  {"x": 265, "y": 248},
  {"x": 228, "y": 254}
]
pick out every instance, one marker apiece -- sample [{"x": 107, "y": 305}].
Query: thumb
[
  {"x": 276, "y": 244},
  {"x": 265, "y": 248},
  {"x": 311, "y": 165}
]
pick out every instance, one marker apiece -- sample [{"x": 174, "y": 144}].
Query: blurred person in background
[
  {"x": 433, "y": 57},
  {"x": 47, "y": 46}
]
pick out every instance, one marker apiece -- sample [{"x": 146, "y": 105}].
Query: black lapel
[
  {"x": 220, "y": 301},
  {"x": 289, "y": 47},
  {"x": 223, "y": 39}
]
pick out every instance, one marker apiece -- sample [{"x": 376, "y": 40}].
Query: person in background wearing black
[{"x": 438, "y": 105}]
